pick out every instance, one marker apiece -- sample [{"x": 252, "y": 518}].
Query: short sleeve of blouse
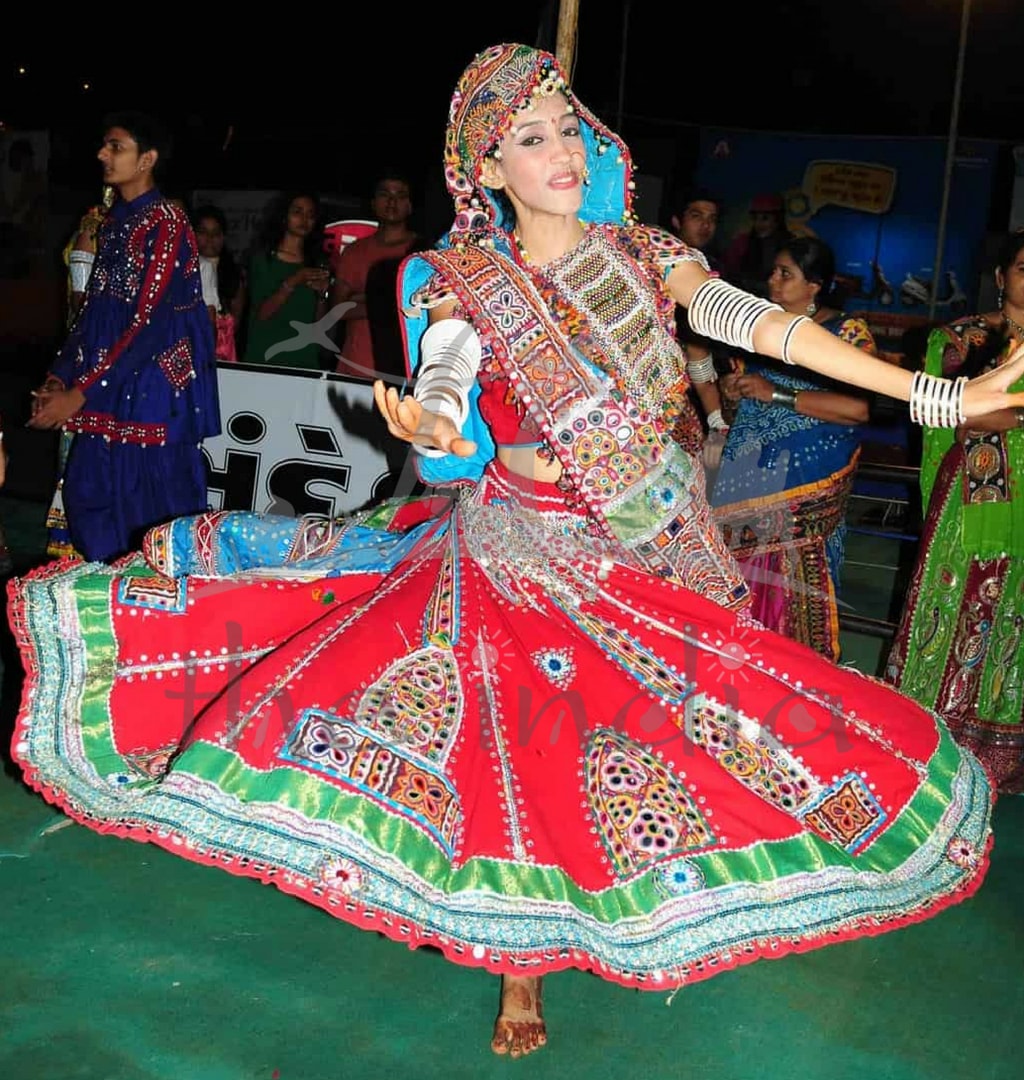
[
  {"x": 855, "y": 331},
  {"x": 434, "y": 293},
  {"x": 662, "y": 248},
  {"x": 208, "y": 276}
]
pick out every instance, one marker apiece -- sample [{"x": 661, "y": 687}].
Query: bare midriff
[{"x": 524, "y": 461}]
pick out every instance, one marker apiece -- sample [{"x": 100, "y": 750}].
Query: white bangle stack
[
  {"x": 79, "y": 268},
  {"x": 720, "y": 311},
  {"x": 451, "y": 352},
  {"x": 936, "y": 402},
  {"x": 716, "y": 421},
  {"x": 702, "y": 371}
]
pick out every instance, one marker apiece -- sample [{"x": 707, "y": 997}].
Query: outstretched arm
[{"x": 798, "y": 340}]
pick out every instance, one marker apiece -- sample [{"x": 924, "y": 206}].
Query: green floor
[{"x": 122, "y": 962}]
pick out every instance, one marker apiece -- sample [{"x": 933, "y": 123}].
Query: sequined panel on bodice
[{"x": 610, "y": 290}]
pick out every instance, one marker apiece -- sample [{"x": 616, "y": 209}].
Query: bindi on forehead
[{"x": 538, "y": 123}]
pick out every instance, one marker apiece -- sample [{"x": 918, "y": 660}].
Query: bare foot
[{"x": 519, "y": 1028}]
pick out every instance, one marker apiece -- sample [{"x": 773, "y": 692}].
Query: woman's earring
[
  {"x": 585, "y": 174},
  {"x": 999, "y": 298},
  {"x": 812, "y": 307}
]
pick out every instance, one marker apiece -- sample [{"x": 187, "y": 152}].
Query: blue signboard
[{"x": 875, "y": 200}]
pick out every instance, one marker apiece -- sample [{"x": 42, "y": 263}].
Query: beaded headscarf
[{"x": 497, "y": 84}]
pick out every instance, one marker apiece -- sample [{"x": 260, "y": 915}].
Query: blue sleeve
[{"x": 439, "y": 471}]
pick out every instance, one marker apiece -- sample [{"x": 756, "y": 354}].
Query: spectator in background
[
  {"x": 223, "y": 286},
  {"x": 750, "y": 258},
  {"x": 695, "y": 221},
  {"x": 80, "y": 252},
  {"x": 79, "y": 255},
  {"x": 287, "y": 284},
  {"x": 22, "y": 210},
  {"x": 135, "y": 381},
  {"x": 365, "y": 277},
  {"x": 781, "y": 492}
]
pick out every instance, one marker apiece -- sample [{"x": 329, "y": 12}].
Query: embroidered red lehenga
[{"x": 527, "y": 724}]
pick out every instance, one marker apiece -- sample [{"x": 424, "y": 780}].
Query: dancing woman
[{"x": 525, "y": 723}]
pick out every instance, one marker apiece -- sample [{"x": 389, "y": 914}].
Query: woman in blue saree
[{"x": 780, "y": 494}]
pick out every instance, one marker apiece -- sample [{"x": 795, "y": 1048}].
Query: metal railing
[{"x": 901, "y": 476}]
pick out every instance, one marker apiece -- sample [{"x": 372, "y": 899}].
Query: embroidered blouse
[{"x": 142, "y": 348}]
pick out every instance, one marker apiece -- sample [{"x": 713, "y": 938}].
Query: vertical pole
[
  {"x": 620, "y": 112},
  {"x": 954, "y": 121},
  {"x": 565, "y": 42}
]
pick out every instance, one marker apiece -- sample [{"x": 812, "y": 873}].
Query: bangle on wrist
[
  {"x": 937, "y": 402},
  {"x": 1019, "y": 413},
  {"x": 785, "y": 398}
]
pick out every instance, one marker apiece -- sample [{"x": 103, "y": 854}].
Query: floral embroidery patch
[
  {"x": 340, "y": 875},
  {"x": 401, "y": 781},
  {"x": 557, "y": 664},
  {"x": 642, "y": 811},
  {"x": 150, "y": 764},
  {"x": 963, "y": 853},
  {"x": 156, "y": 593},
  {"x": 679, "y": 877},
  {"x": 176, "y": 364},
  {"x": 847, "y": 814}
]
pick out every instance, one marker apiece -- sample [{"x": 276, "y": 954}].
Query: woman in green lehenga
[{"x": 958, "y": 646}]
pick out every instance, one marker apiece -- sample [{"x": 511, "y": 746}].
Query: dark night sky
[{"x": 305, "y": 110}]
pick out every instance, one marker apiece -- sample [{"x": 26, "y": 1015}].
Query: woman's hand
[
  {"x": 315, "y": 277},
  {"x": 988, "y": 393},
  {"x": 318, "y": 279},
  {"x": 754, "y": 386},
  {"x": 409, "y": 421}
]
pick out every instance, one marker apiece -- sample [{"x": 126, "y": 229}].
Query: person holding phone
[{"x": 287, "y": 284}]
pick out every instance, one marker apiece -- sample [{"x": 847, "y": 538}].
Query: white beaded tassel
[{"x": 936, "y": 402}]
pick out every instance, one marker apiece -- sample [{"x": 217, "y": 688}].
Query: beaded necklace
[{"x": 1015, "y": 327}]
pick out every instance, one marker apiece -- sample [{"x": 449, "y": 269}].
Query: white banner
[{"x": 295, "y": 442}]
